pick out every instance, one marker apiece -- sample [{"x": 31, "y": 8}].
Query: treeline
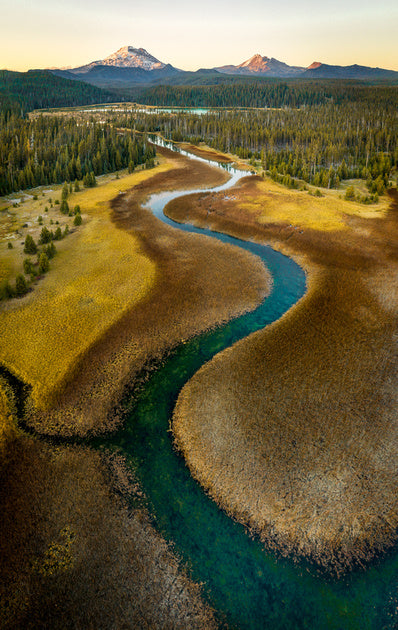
[
  {"x": 22, "y": 92},
  {"x": 55, "y": 149},
  {"x": 320, "y": 144},
  {"x": 266, "y": 93}
]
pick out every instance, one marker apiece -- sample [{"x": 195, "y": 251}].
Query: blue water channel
[{"x": 248, "y": 587}]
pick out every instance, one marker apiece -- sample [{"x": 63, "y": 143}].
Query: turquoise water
[
  {"x": 174, "y": 110},
  {"x": 248, "y": 587}
]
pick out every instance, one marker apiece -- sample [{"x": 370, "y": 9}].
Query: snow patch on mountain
[{"x": 127, "y": 57}]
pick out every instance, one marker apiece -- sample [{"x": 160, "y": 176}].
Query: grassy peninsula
[{"x": 303, "y": 443}]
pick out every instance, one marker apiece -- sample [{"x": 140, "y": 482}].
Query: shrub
[
  {"x": 9, "y": 245},
  {"x": 45, "y": 236},
  {"x": 30, "y": 245},
  {"x": 6, "y": 291},
  {"x": 28, "y": 267},
  {"x": 58, "y": 234},
  {"x": 76, "y": 209},
  {"x": 50, "y": 250},
  {"x": 89, "y": 180},
  {"x": 20, "y": 285},
  {"x": 44, "y": 265},
  {"x": 64, "y": 207},
  {"x": 350, "y": 193},
  {"x": 77, "y": 220}
]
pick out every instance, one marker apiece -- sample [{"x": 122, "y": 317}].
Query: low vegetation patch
[
  {"x": 79, "y": 299},
  {"x": 294, "y": 430},
  {"x": 72, "y": 552}
]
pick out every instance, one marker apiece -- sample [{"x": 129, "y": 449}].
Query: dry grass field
[
  {"x": 79, "y": 299},
  {"x": 122, "y": 290},
  {"x": 190, "y": 272},
  {"x": 294, "y": 430}
]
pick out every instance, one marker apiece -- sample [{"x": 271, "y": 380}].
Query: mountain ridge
[
  {"x": 261, "y": 66},
  {"x": 136, "y": 66}
]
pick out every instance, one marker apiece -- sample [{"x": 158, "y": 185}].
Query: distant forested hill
[
  {"x": 24, "y": 91},
  {"x": 264, "y": 93}
]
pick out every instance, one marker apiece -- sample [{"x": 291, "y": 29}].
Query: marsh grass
[
  {"x": 97, "y": 275},
  {"x": 294, "y": 430},
  {"x": 72, "y": 554},
  {"x": 128, "y": 289}
]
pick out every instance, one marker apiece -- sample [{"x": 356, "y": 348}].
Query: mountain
[
  {"x": 128, "y": 65},
  {"x": 362, "y": 73},
  {"x": 116, "y": 76},
  {"x": 131, "y": 67},
  {"x": 125, "y": 57},
  {"x": 265, "y": 67},
  {"x": 262, "y": 66}
]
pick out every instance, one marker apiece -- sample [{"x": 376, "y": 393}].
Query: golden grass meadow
[{"x": 73, "y": 550}]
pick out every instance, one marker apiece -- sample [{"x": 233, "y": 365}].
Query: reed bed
[
  {"x": 72, "y": 554},
  {"x": 294, "y": 431}
]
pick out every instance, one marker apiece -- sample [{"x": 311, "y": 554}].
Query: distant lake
[
  {"x": 175, "y": 110},
  {"x": 151, "y": 110}
]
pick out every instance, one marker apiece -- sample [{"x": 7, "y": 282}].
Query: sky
[{"x": 209, "y": 33}]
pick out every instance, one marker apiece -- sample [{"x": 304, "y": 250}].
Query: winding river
[{"x": 248, "y": 587}]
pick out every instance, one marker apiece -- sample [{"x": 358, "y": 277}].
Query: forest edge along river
[{"x": 248, "y": 587}]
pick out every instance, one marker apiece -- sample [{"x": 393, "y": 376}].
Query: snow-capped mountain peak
[
  {"x": 256, "y": 62},
  {"x": 126, "y": 57},
  {"x": 130, "y": 57}
]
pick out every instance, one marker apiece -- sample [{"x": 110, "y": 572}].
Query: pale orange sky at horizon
[{"x": 209, "y": 35}]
